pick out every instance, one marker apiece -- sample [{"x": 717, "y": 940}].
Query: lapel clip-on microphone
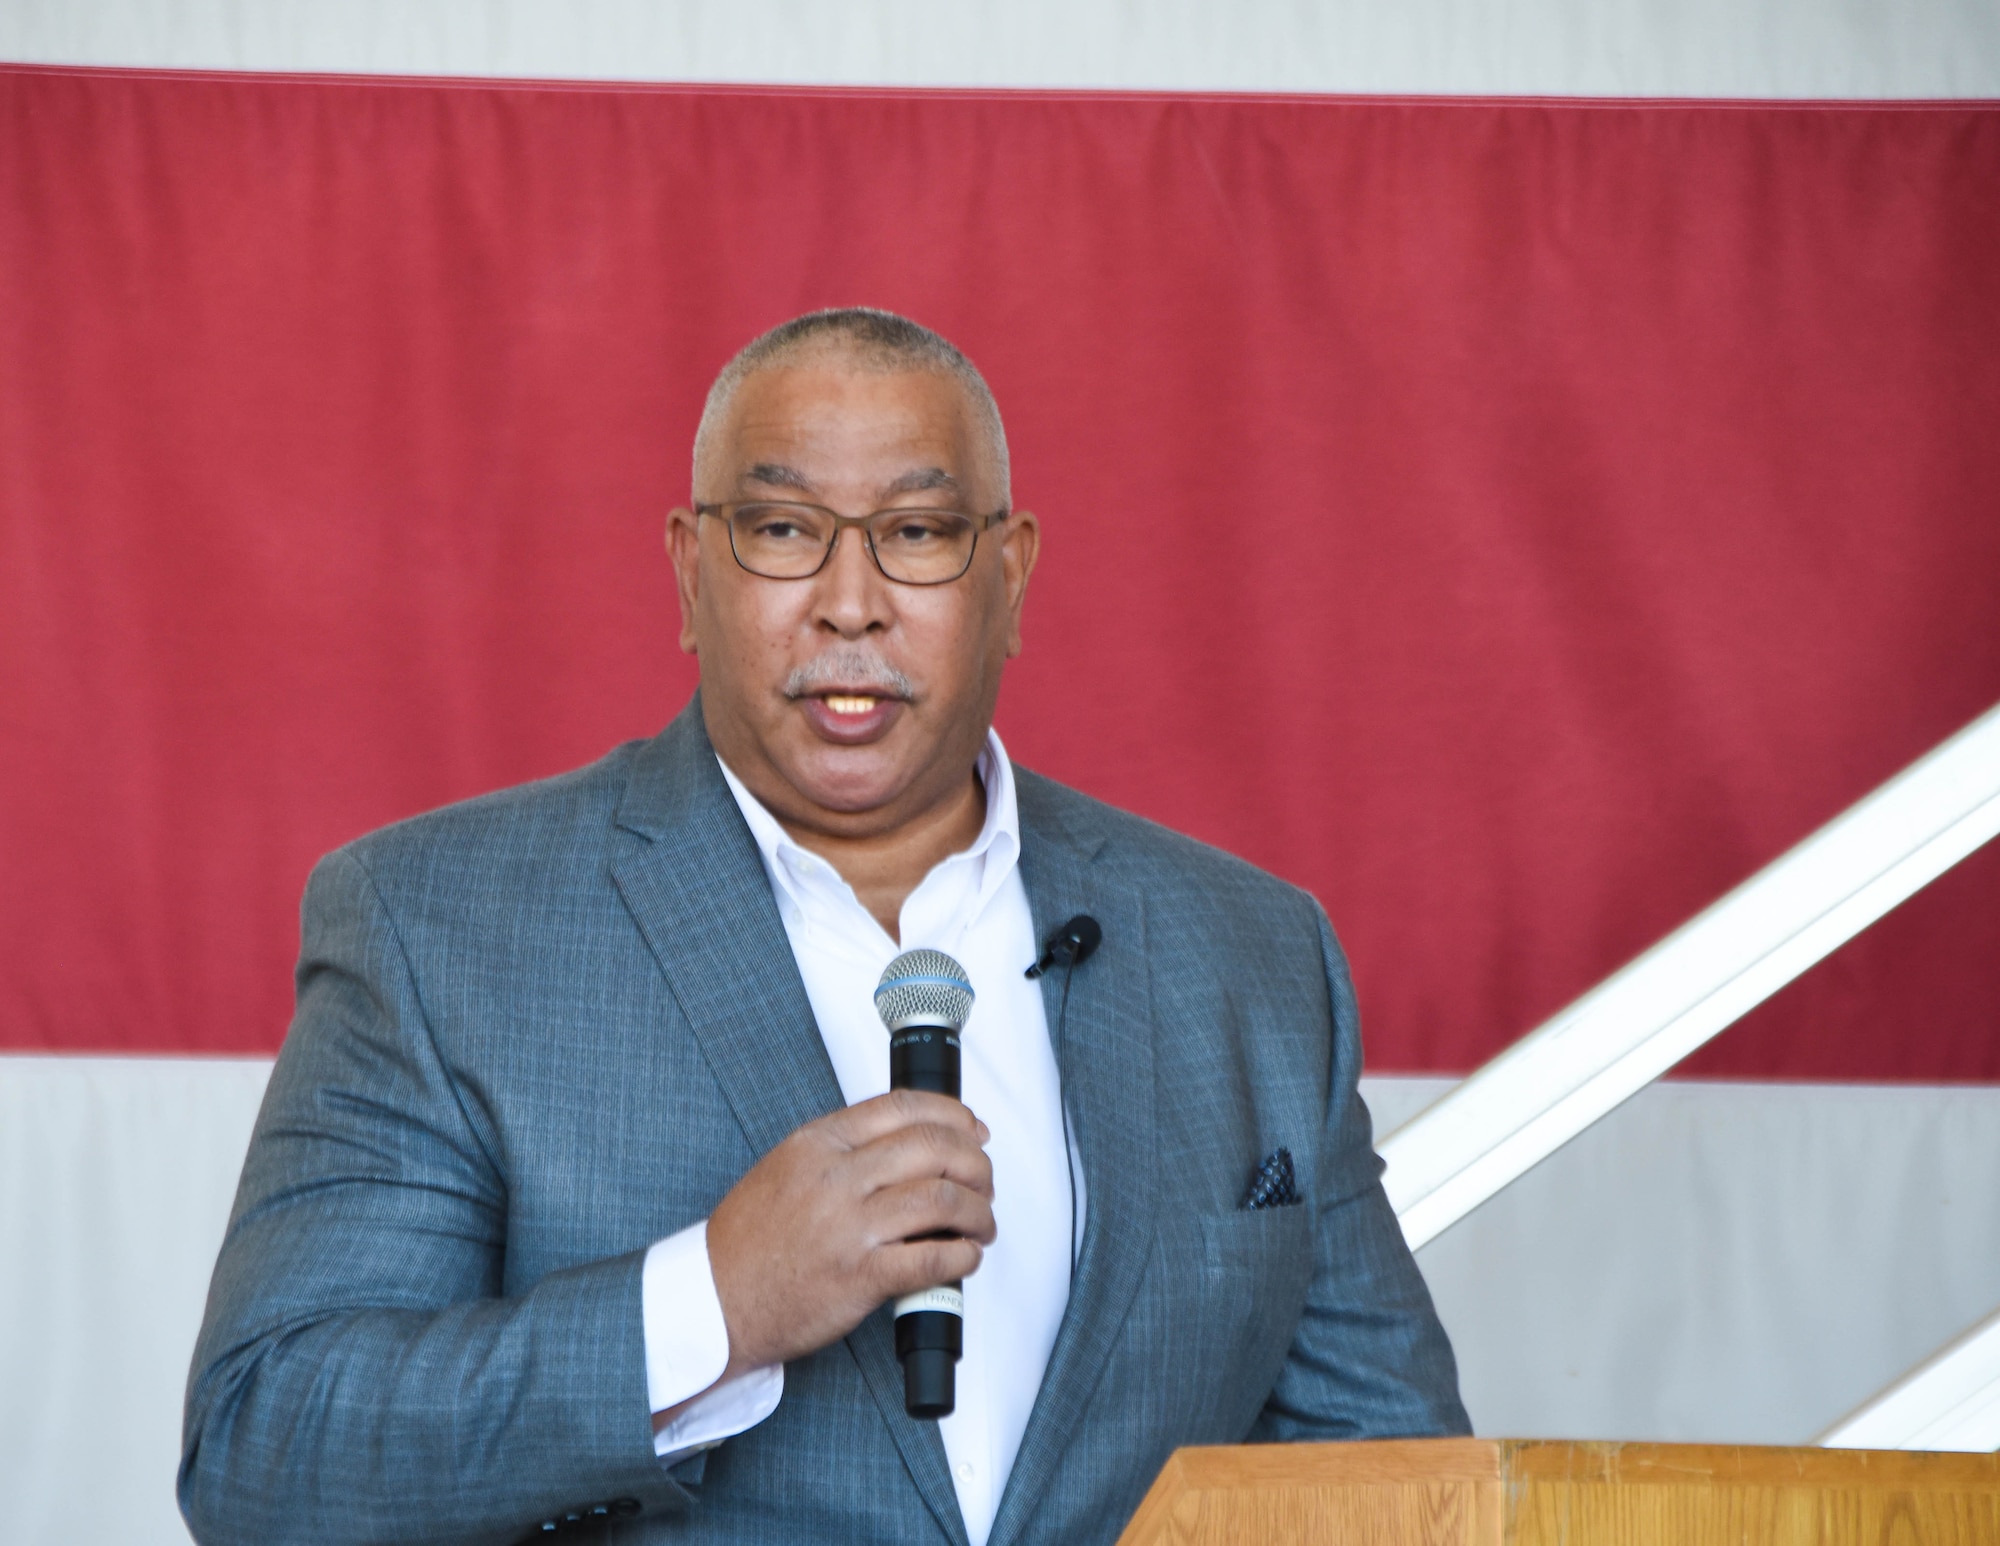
[
  {"x": 924, "y": 998},
  {"x": 1070, "y": 945}
]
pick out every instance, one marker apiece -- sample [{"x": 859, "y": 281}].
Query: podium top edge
[
  {"x": 1581, "y": 1461},
  {"x": 1744, "y": 1464}
]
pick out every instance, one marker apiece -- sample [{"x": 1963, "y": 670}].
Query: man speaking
[{"x": 580, "y": 1201}]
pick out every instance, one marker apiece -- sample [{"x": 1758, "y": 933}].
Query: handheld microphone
[{"x": 924, "y": 998}]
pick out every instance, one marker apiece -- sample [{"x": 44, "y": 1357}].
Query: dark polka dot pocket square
[{"x": 1275, "y": 1185}]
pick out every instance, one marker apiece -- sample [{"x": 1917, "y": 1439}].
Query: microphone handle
[{"x": 930, "y": 1324}]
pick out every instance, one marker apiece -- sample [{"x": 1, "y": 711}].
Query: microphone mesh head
[{"x": 923, "y": 987}]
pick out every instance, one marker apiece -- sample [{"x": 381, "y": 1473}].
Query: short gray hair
[{"x": 873, "y": 340}]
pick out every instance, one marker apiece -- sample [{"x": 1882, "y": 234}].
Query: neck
[{"x": 884, "y": 868}]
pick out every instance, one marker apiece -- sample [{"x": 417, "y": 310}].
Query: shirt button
[{"x": 965, "y": 1470}]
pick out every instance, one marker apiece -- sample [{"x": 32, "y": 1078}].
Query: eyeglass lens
[{"x": 790, "y": 542}]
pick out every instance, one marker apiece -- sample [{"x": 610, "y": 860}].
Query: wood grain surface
[{"x": 1479, "y": 1492}]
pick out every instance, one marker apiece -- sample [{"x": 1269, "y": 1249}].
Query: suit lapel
[
  {"x": 873, "y": 1344},
  {"x": 697, "y": 888},
  {"x": 1108, "y": 1085},
  {"x": 698, "y": 891}
]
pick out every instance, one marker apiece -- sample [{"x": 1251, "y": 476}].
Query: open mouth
[{"x": 850, "y": 718}]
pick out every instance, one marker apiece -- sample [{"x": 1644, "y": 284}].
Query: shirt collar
[{"x": 996, "y": 850}]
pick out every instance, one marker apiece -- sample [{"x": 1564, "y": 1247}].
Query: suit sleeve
[
  {"x": 1370, "y": 1359},
  {"x": 359, "y": 1375}
]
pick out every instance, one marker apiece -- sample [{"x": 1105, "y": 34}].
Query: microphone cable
[
  {"x": 1071, "y": 944},
  {"x": 1062, "y": 1100}
]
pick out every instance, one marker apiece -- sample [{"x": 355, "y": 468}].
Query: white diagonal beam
[
  {"x": 1952, "y": 1401},
  {"x": 1638, "y": 1023}
]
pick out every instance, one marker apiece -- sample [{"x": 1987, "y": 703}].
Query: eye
[
  {"x": 913, "y": 531},
  {"x": 773, "y": 524}
]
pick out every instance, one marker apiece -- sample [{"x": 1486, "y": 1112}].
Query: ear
[
  {"x": 1020, "y": 546},
  {"x": 684, "y": 552}
]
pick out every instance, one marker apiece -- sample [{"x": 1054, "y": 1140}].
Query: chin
[{"x": 852, "y": 780}]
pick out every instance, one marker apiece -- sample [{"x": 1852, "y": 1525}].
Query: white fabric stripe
[
  {"x": 1721, "y": 1262},
  {"x": 1714, "y": 1261},
  {"x": 116, "y": 1177},
  {"x": 1612, "y": 48},
  {"x": 1567, "y": 1073}
]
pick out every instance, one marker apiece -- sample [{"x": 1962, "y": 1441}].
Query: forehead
[{"x": 847, "y": 429}]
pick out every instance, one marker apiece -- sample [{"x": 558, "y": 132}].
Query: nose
[{"x": 852, "y": 595}]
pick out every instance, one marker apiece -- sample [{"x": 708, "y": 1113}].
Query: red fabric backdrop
[{"x": 1515, "y": 522}]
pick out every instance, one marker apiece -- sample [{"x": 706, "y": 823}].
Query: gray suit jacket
[{"x": 537, "y": 1031}]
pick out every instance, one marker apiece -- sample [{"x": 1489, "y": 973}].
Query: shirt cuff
[{"x": 687, "y": 1348}]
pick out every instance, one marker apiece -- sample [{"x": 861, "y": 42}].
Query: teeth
[{"x": 844, "y": 704}]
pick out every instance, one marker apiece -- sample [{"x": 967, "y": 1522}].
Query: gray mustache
[{"x": 856, "y": 671}]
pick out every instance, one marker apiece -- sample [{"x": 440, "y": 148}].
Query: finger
[
  {"x": 870, "y": 1119},
  {"x": 907, "y": 1266},
  {"x": 930, "y": 1207},
  {"x": 917, "y": 1153}
]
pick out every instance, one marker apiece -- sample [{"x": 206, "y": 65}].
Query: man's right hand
[{"x": 832, "y": 1222}]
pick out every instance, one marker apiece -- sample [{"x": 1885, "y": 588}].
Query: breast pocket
[
  {"x": 1231, "y": 1287},
  {"x": 1263, "y": 1254}
]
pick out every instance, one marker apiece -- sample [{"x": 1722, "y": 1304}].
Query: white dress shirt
[{"x": 972, "y": 906}]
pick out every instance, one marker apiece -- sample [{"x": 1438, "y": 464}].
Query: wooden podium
[{"x": 1520, "y": 1492}]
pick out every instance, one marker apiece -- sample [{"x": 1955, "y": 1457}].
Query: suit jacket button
[{"x": 625, "y": 1508}]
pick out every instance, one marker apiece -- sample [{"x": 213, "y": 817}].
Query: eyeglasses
[{"x": 783, "y": 541}]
